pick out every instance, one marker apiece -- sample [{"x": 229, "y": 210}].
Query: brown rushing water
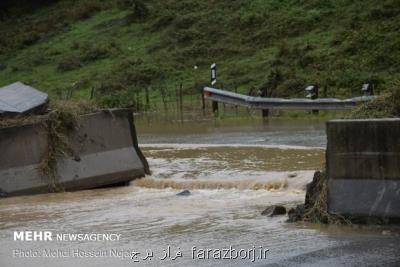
[{"x": 234, "y": 169}]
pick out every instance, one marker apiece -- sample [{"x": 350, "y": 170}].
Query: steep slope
[{"x": 122, "y": 47}]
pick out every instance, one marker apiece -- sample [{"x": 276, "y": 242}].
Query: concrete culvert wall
[
  {"x": 363, "y": 167},
  {"x": 102, "y": 151}
]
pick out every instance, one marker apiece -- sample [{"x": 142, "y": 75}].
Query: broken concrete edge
[
  {"x": 136, "y": 144},
  {"x": 361, "y": 163},
  {"x": 129, "y": 113},
  {"x": 20, "y": 98},
  {"x": 39, "y": 110},
  {"x": 363, "y": 171}
]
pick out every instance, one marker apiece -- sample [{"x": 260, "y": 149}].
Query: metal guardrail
[{"x": 282, "y": 103}]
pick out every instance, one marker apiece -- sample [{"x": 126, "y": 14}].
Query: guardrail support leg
[
  {"x": 215, "y": 107},
  {"x": 203, "y": 102},
  {"x": 265, "y": 113}
]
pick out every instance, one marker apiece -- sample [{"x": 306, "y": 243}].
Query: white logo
[{"x": 33, "y": 236}]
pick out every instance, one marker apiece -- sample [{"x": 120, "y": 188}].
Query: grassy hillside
[{"x": 122, "y": 47}]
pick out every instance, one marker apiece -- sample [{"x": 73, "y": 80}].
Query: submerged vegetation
[{"x": 136, "y": 53}]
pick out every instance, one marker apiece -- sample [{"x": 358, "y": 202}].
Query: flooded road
[{"x": 234, "y": 169}]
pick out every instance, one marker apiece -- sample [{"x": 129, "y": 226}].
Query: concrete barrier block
[
  {"x": 103, "y": 151},
  {"x": 363, "y": 167}
]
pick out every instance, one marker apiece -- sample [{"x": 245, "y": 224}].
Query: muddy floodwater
[{"x": 234, "y": 170}]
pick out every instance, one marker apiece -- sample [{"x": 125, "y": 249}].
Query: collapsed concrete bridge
[{"x": 103, "y": 151}]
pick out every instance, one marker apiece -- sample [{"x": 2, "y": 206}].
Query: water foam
[
  {"x": 271, "y": 181},
  {"x": 215, "y": 184},
  {"x": 198, "y": 146}
]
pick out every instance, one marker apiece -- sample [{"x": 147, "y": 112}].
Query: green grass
[{"x": 106, "y": 45}]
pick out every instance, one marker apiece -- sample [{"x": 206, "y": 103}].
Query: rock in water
[
  {"x": 274, "y": 210},
  {"x": 296, "y": 214},
  {"x": 2, "y": 193},
  {"x": 184, "y": 193}
]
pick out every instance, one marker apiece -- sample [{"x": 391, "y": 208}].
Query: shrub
[
  {"x": 184, "y": 22},
  {"x": 162, "y": 21},
  {"x": 252, "y": 20},
  {"x": 38, "y": 59},
  {"x": 305, "y": 60},
  {"x": 274, "y": 78},
  {"x": 94, "y": 53},
  {"x": 135, "y": 72},
  {"x": 284, "y": 49},
  {"x": 110, "y": 85},
  {"x": 75, "y": 45},
  {"x": 185, "y": 36},
  {"x": 28, "y": 38},
  {"x": 69, "y": 63},
  {"x": 139, "y": 10},
  {"x": 291, "y": 86},
  {"x": 383, "y": 12},
  {"x": 119, "y": 99},
  {"x": 144, "y": 75},
  {"x": 85, "y": 10}
]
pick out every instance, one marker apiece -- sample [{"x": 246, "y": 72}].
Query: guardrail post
[
  {"x": 215, "y": 106},
  {"x": 92, "y": 92},
  {"x": 312, "y": 91},
  {"x": 213, "y": 81},
  {"x": 367, "y": 89},
  {"x": 203, "y": 102},
  {"x": 180, "y": 98},
  {"x": 264, "y": 93},
  {"x": 147, "y": 97},
  {"x": 236, "y": 107}
]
